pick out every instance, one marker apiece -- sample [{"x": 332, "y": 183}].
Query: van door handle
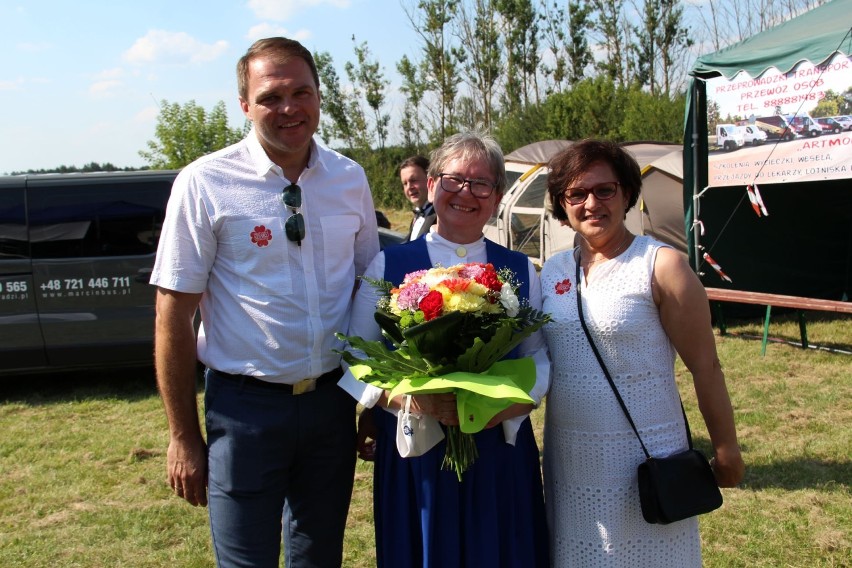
[{"x": 143, "y": 275}]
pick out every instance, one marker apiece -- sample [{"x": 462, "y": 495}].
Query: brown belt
[{"x": 302, "y": 387}]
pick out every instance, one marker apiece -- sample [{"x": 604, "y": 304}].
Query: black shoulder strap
[{"x": 577, "y": 286}]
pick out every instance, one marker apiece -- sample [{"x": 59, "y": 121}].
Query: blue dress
[{"x": 425, "y": 517}]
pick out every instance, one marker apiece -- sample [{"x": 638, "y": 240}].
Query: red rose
[{"x": 432, "y": 304}]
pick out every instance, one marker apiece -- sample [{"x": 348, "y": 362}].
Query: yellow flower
[{"x": 464, "y": 302}]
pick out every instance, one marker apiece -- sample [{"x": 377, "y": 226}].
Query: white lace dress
[{"x": 590, "y": 451}]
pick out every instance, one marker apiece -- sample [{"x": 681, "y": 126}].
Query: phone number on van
[
  {"x": 13, "y": 286},
  {"x": 103, "y": 283}
]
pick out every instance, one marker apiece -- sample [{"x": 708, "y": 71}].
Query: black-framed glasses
[
  {"x": 294, "y": 227},
  {"x": 479, "y": 188},
  {"x": 601, "y": 191}
]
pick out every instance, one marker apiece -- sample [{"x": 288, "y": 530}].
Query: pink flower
[{"x": 410, "y": 295}]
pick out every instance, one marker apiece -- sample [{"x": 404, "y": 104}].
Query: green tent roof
[{"x": 814, "y": 36}]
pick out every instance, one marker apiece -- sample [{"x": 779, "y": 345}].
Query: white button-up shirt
[{"x": 270, "y": 307}]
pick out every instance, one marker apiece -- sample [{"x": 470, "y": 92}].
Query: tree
[
  {"x": 594, "y": 108},
  {"x": 338, "y": 120},
  {"x": 645, "y": 46},
  {"x": 522, "y": 59},
  {"x": 733, "y": 21},
  {"x": 652, "y": 116},
  {"x": 368, "y": 79},
  {"x": 829, "y": 105},
  {"x": 187, "y": 132},
  {"x": 579, "y": 52},
  {"x": 673, "y": 44},
  {"x": 661, "y": 43},
  {"x": 553, "y": 33},
  {"x": 608, "y": 24},
  {"x": 414, "y": 88},
  {"x": 439, "y": 58},
  {"x": 480, "y": 41}
]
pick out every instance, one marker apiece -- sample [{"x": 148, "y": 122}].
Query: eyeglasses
[
  {"x": 295, "y": 225},
  {"x": 479, "y": 188},
  {"x": 602, "y": 192}
]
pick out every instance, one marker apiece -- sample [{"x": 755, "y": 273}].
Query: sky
[{"x": 80, "y": 81}]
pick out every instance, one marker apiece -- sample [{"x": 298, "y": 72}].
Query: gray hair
[{"x": 469, "y": 146}]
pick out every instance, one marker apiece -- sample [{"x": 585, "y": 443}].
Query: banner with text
[{"x": 781, "y": 127}]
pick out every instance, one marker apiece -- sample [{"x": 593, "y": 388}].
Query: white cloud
[
  {"x": 104, "y": 89},
  {"x": 281, "y": 10},
  {"x": 113, "y": 73},
  {"x": 160, "y": 46},
  {"x": 13, "y": 85},
  {"x": 30, "y": 47},
  {"x": 147, "y": 115},
  {"x": 268, "y": 30}
]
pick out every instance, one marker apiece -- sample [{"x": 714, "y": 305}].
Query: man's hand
[
  {"x": 187, "y": 471},
  {"x": 366, "y": 439}
]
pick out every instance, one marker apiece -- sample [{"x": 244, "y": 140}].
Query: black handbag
[{"x": 672, "y": 488}]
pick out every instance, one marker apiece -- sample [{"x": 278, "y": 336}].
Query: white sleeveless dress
[{"x": 590, "y": 451}]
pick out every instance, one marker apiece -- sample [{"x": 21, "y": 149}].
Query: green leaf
[{"x": 385, "y": 362}]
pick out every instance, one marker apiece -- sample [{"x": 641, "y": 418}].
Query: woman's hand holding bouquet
[{"x": 448, "y": 330}]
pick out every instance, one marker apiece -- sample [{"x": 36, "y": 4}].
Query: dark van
[{"x": 76, "y": 252}]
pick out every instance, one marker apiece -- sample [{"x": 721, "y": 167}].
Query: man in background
[{"x": 412, "y": 174}]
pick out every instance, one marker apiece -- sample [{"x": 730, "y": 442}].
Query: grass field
[{"x": 82, "y": 476}]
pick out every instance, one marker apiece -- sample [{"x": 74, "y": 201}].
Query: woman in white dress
[{"x": 642, "y": 304}]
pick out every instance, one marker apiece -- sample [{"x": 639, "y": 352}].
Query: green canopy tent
[{"x": 804, "y": 246}]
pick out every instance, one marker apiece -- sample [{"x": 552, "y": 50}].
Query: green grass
[{"x": 82, "y": 475}]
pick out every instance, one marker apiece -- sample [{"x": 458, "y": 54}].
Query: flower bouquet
[{"x": 449, "y": 329}]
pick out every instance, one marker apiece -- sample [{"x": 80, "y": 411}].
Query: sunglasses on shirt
[{"x": 294, "y": 227}]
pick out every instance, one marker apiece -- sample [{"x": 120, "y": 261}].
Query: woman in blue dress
[{"x": 424, "y": 516}]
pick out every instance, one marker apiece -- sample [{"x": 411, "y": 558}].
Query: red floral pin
[
  {"x": 261, "y": 236},
  {"x": 563, "y": 287}
]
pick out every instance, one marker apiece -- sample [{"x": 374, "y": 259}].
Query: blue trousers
[{"x": 278, "y": 463}]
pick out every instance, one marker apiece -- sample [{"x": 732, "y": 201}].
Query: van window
[
  {"x": 13, "y": 224},
  {"x": 96, "y": 219}
]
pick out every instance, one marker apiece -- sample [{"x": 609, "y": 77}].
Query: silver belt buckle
[{"x": 307, "y": 385}]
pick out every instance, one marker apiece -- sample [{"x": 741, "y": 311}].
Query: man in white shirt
[
  {"x": 412, "y": 174},
  {"x": 265, "y": 238}
]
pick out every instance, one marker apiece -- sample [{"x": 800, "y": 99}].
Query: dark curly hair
[{"x": 572, "y": 162}]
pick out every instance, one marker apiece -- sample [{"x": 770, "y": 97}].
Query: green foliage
[
  {"x": 86, "y": 168},
  {"x": 341, "y": 119},
  {"x": 440, "y": 59},
  {"x": 481, "y": 65},
  {"x": 593, "y": 108},
  {"x": 834, "y": 104},
  {"x": 652, "y": 117},
  {"x": 522, "y": 59},
  {"x": 369, "y": 78},
  {"x": 187, "y": 132},
  {"x": 414, "y": 88},
  {"x": 383, "y": 175}
]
